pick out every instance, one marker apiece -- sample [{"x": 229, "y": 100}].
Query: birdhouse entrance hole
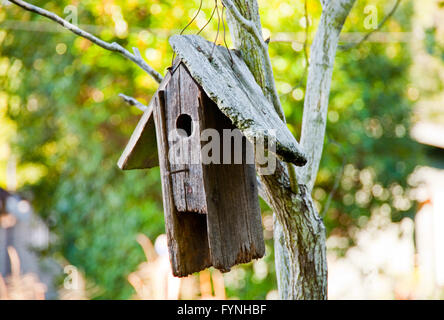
[{"x": 185, "y": 123}]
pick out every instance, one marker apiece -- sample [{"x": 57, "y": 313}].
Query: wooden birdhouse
[{"x": 212, "y": 212}]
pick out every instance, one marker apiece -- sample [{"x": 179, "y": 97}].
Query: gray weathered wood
[
  {"x": 186, "y": 233},
  {"x": 141, "y": 150},
  {"x": 299, "y": 234},
  {"x": 189, "y": 104},
  {"x": 172, "y": 111},
  {"x": 234, "y": 220},
  {"x": 231, "y": 230},
  {"x": 182, "y": 99},
  {"x": 233, "y": 88}
]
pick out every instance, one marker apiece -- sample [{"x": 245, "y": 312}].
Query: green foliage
[
  {"x": 433, "y": 45},
  {"x": 370, "y": 162},
  {"x": 70, "y": 128},
  {"x": 71, "y": 122}
]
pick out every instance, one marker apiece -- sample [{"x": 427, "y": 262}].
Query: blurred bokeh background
[{"x": 73, "y": 226}]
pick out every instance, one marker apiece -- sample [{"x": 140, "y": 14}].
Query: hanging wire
[
  {"x": 189, "y": 23},
  {"x": 218, "y": 27},
  {"x": 225, "y": 39},
  {"x": 194, "y": 18},
  {"x": 209, "y": 20},
  {"x": 220, "y": 16}
]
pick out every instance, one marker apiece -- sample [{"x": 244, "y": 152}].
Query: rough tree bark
[{"x": 299, "y": 232}]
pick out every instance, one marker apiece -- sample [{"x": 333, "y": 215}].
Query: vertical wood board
[
  {"x": 182, "y": 98},
  {"x": 186, "y": 233},
  {"x": 234, "y": 220}
]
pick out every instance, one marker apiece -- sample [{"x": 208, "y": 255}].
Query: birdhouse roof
[
  {"x": 233, "y": 88},
  {"x": 230, "y": 84}
]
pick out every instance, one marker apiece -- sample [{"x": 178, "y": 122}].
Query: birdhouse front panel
[{"x": 183, "y": 125}]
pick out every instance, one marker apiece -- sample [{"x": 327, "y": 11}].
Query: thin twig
[
  {"x": 365, "y": 38},
  {"x": 133, "y": 102},
  {"x": 335, "y": 187},
  {"x": 114, "y": 47}
]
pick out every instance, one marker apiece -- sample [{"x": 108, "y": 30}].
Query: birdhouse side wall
[{"x": 235, "y": 233}]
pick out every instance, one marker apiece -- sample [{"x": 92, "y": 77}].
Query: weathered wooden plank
[
  {"x": 183, "y": 107},
  {"x": 186, "y": 233},
  {"x": 141, "y": 150},
  {"x": 193, "y": 178},
  {"x": 233, "y": 88},
  {"x": 172, "y": 112},
  {"x": 234, "y": 221}
]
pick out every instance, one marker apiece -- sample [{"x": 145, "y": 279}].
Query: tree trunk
[{"x": 299, "y": 232}]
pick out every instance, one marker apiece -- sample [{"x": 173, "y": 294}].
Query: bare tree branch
[
  {"x": 270, "y": 84},
  {"x": 299, "y": 233},
  {"x": 255, "y": 33},
  {"x": 114, "y": 47},
  {"x": 365, "y": 38},
  {"x": 133, "y": 102},
  {"x": 314, "y": 120}
]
